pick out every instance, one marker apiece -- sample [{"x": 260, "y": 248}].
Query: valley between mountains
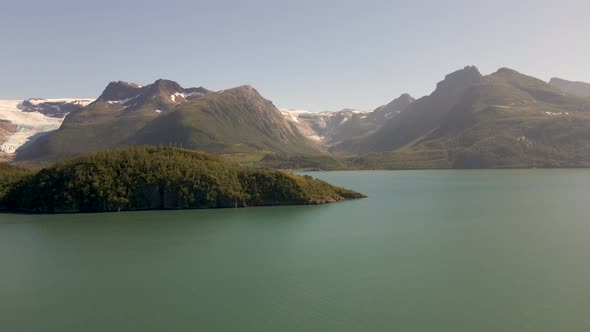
[{"x": 502, "y": 120}]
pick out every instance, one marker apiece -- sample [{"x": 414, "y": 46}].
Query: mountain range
[
  {"x": 580, "y": 89},
  {"x": 505, "y": 119},
  {"x": 331, "y": 128},
  {"x": 233, "y": 121},
  {"x": 470, "y": 120}
]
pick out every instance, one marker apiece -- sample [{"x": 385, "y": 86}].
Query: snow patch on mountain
[
  {"x": 315, "y": 137},
  {"x": 319, "y": 126},
  {"x": 175, "y": 95},
  {"x": 295, "y": 112},
  {"x": 292, "y": 116},
  {"x": 121, "y": 101}
]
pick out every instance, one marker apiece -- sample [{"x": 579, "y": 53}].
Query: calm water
[{"x": 428, "y": 251}]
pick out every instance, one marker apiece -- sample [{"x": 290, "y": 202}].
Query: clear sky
[{"x": 319, "y": 55}]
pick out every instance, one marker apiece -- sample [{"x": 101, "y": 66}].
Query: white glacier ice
[{"x": 29, "y": 124}]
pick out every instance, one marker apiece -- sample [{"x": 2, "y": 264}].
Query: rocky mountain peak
[
  {"x": 245, "y": 90},
  {"x": 119, "y": 90},
  {"x": 405, "y": 97},
  {"x": 508, "y": 74},
  {"x": 460, "y": 79},
  {"x": 506, "y": 70},
  {"x": 402, "y": 101},
  {"x": 163, "y": 85},
  {"x": 162, "y": 95},
  {"x": 248, "y": 94},
  {"x": 395, "y": 106}
]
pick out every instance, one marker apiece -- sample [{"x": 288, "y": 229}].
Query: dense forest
[
  {"x": 9, "y": 175},
  {"x": 140, "y": 178}
]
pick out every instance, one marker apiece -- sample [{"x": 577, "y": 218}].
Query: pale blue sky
[{"x": 320, "y": 55}]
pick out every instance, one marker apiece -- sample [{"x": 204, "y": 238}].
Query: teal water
[{"x": 504, "y": 250}]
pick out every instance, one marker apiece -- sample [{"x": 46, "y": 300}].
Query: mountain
[
  {"x": 309, "y": 123},
  {"x": 392, "y": 109},
  {"x": 160, "y": 96},
  {"x": 140, "y": 178},
  {"x": 325, "y": 128},
  {"x": 237, "y": 120},
  {"x": 580, "y": 89},
  {"x": 505, "y": 119},
  {"x": 345, "y": 124},
  {"x": 418, "y": 118},
  {"x": 331, "y": 128},
  {"x": 234, "y": 121}
]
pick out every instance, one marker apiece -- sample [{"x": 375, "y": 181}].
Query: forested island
[{"x": 148, "y": 177}]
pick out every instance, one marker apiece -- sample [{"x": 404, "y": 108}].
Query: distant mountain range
[
  {"x": 330, "y": 128},
  {"x": 505, "y": 119},
  {"x": 580, "y": 89}
]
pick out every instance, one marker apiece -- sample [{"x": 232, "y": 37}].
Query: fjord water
[{"x": 494, "y": 250}]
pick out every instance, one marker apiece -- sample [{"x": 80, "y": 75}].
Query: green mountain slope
[
  {"x": 120, "y": 111},
  {"x": 506, "y": 119},
  {"x": 163, "y": 113},
  {"x": 140, "y": 178},
  {"x": 237, "y": 120},
  {"x": 580, "y": 89},
  {"x": 418, "y": 118}
]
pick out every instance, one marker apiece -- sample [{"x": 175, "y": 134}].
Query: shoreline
[{"x": 313, "y": 203}]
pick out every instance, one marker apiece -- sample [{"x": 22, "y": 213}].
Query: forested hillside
[{"x": 140, "y": 178}]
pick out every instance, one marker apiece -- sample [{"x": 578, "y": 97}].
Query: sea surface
[{"x": 493, "y": 250}]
